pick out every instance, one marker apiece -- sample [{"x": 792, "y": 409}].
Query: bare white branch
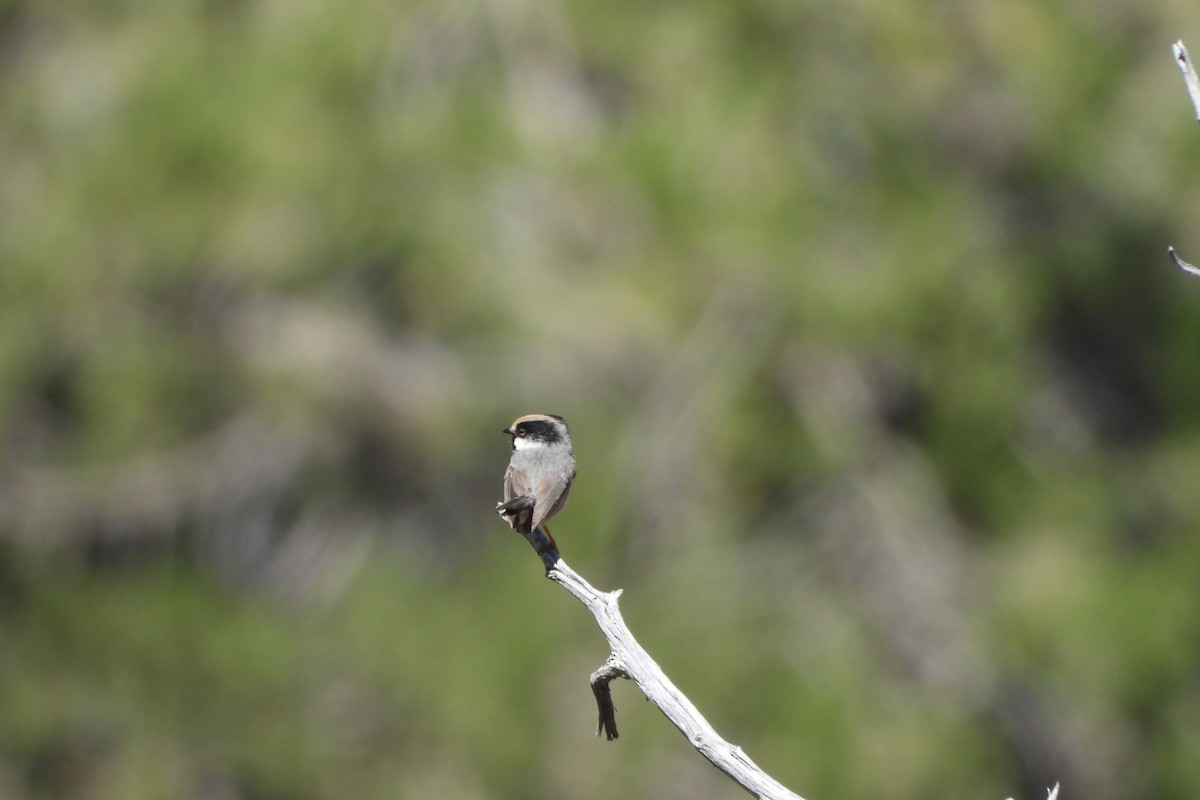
[
  {"x": 1192, "y": 82},
  {"x": 1190, "y": 79},
  {"x": 1191, "y": 269},
  {"x": 629, "y": 660}
]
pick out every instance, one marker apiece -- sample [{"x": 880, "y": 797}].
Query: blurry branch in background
[
  {"x": 226, "y": 489},
  {"x": 1183, "y": 265},
  {"x": 1192, "y": 82},
  {"x": 884, "y": 532},
  {"x": 1190, "y": 79},
  {"x": 147, "y": 496},
  {"x": 629, "y": 660},
  {"x": 662, "y": 468},
  {"x": 232, "y": 492},
  {"x": 343, "y": 353}
]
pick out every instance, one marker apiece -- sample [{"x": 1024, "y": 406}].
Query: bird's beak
[{"x": 509, "y": 431}]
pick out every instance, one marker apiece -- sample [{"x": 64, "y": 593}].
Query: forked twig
[
  {"x": 601, "y": 678},
  {"x": 629, "y": 660}
]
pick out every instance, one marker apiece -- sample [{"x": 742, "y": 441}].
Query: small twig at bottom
[{"x": 601, "y": 678}]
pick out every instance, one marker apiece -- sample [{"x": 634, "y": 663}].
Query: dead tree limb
[
  {"x": 1192, "y": 82},
  {"x": 629, "y": 660},
  {"x": 1190, "y": 79},
  {"x": 1191, "y": 269}
]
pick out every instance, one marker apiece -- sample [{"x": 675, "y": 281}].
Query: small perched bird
[{"x": 539, "y": 474}]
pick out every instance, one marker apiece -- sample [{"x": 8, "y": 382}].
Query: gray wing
[
  {"x": 519, "y": 506},
  {"x": 514, "y": 487},
  {"x": 547, "y": 492},
  {"x": 550, "y": 502}
]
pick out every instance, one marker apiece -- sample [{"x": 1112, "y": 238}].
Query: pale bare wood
[
  {"x": 1192, "y": 82},
  {"x": 629, "y": 660},
  {"x": 1190, "y": 79},
  {"x": 1191, "y": 269}
]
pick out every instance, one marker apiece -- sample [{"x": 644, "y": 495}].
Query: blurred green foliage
[{"x": 883, "y": 391}]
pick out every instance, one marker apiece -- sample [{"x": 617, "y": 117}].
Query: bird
[{"x": 539, "y": 475}]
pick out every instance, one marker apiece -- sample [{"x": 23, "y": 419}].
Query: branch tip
[
  {"x": 629, "y": 660},
  {"x": 1189, "y": 268},
  {"x": 1190, "y": 80}
]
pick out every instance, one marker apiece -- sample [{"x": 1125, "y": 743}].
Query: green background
[{"x": 885, "y": 396}]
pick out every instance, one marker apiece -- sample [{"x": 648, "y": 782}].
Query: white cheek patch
[{"x": 521, "y": 443}]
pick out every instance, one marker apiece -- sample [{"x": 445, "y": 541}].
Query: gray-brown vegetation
[{"x": 885, "y": 399}]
